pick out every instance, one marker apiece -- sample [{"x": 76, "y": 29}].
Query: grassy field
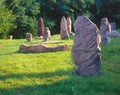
[{"x": 53, "y": 73}]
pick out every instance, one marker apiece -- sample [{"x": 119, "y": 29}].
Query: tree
[
  {"x": 27, "y": 12},
  {"x": 107, "y": 8},
  {"x": 7, "y": 20}
]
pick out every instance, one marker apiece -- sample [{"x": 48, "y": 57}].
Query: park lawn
[{"x": 52, "y": 73}]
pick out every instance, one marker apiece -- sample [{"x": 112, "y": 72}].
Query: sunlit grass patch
[{"x": 52, "y": 73}]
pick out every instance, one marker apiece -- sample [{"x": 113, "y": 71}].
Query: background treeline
[{"x": 20, "y": 16}]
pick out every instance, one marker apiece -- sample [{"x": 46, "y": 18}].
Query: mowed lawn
[{"x": 52, "y": 73}]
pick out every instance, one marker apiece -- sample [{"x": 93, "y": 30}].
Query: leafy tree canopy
[{"x": 7, "y": 20}]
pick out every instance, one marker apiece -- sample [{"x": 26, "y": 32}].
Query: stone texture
[
  {"x": 114, "y": 32},
  {"x": 105, "y": 29},
  {"x": 113, "y": 26},
  {"x": 29, "y": 37},
  {"x": 86, "y": 50},
  {"x": 40, "y": 27},
  {"x": 42, "y": 48},
  {"x": 69, "y": 23},
  {"x": 63, "y": 29},
  {"x": 47, "y": 34}
]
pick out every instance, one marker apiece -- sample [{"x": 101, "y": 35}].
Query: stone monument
[
  {"x": 114, "y": 32},
  {"x": 86, "y": 50},
  {"x": 63, "y": 29},
  {"x": 113, "y": 26},
  {"x": 40, "y": 27},
  {"x": 47, "y": 34},
  {"x": 29, "y": 37},
  {"x": 105, "y": 29},
  {"x": 69, "y": 23}
]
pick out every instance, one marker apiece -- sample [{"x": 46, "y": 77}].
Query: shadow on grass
[
  {"x": 72, "y": 85},
  {"x": 16, "y": 52},
  {"x": 34, "y": 75},
  {"x": 38, "y": 89}
]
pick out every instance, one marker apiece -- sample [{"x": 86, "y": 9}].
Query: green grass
[{"x": 52, "y": 73}]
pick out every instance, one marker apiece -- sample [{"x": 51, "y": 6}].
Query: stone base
[
  {"x": 106, "y": 40},
  {"x": 90, "y": 68}
]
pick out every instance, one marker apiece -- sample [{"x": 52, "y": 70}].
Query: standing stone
[
  {"x": 69, "y": 23},
  {"x": 113, "y": 25},
  {"x": 63, "y": 29},
  {"x": 47, "y": 34},
  {"x": 114, "y": 32},
  {"x": 40, "y": 27},
  {"x": 105, "y": 28},
  {"x": 29, "y": 37},
  {"x": 86, "y": 50}
]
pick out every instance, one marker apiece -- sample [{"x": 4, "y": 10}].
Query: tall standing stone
[
  {"x": 63, "y": 29},
  {"x": 69, "y": 23},
  {"x": 86, "y": 50},
  {"x": 105, "y": 29},
  {"x": 40, "y": 27},
  {"x": 29, "y": 37},
  {"x": 47, "y": 34}
]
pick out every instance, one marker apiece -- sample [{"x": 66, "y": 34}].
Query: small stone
[
  {"x": 10, "y": 37},
  {"x": 29, "y": 37},
  {"x": 47, "y": 34}
]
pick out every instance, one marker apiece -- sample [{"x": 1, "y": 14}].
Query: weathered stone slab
[
  {"x": 42, "y": 48},
  {"x": 40, "y": 27},
  {"x": 29, "y": 37},
  {"x": 47, "y": 34},
  {"x": 63, "y": 29},
  {"x": 86, "y": 50},
  {"x": 105, "y": 29}
]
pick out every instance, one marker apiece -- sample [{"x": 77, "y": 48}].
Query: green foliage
[
  {"x": 109, "y": 9},
  {"x": 27, "y": 13},
  {"x": 50, "y": 23},
  {"x": 7, "y": 20}
]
